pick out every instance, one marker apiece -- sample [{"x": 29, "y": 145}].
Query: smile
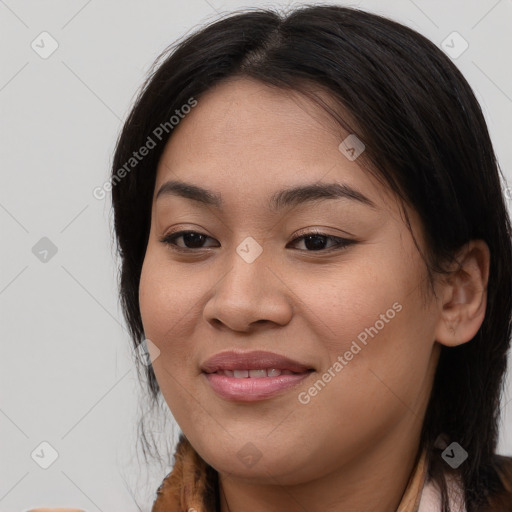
[{"x": 252, "y": 385}]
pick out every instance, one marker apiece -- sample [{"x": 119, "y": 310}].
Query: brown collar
[{"x": 189, "y": 486}]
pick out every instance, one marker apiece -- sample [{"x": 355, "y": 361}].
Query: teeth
[{"x": 255, "y": 374}]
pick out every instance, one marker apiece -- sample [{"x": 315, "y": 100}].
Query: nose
[{"x": 251, "y": 295}]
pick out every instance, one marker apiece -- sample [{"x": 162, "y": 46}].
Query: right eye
[{"x": 191, "y": 240}]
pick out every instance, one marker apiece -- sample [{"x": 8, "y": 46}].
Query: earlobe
[{"x": 463, "y": 297}]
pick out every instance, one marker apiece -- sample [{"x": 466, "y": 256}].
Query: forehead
[{"x": 245, "y": 138}]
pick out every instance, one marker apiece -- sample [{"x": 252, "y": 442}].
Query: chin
[{"x": 259, "y": 464}]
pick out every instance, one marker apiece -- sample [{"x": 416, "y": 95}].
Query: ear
[{"x": 463, "y": 295}]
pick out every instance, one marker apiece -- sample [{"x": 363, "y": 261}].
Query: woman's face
[{"x": 351, "y": 314}]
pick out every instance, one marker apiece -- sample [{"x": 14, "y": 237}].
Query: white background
[{"x": 67, "y": 375}]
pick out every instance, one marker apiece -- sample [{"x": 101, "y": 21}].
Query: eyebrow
[{"x": 290, "y": 197}]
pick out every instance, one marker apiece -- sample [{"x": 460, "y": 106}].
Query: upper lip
[{"x": 255, "y": 360}]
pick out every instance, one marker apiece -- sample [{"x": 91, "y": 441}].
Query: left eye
[{"x": 313, "y": 241}]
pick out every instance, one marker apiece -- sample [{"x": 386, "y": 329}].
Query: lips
[
  {"x": 255, "y": 361},
  {"x": 252, "y": 376}
]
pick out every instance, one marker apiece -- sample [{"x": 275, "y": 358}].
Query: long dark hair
[{"x": 425, "y": 137}]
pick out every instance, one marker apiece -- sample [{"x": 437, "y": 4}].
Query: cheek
[
  {"x": 166, "y": 298},
  {"x": 345, "y": 303},
  {"x": 164, "y": 311},
  {"x": 155, "y": 302},
  {"x": 376, "y": 335}
]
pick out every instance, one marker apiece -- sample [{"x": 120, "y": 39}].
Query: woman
[{"x": 316, "y": 250}]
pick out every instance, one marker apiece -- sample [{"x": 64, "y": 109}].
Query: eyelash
[{"x": 342, "y": 243}]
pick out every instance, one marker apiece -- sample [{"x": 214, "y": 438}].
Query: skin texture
[{"x": 353, "y": 445}]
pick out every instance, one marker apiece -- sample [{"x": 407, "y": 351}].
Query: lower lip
[{"x": 252, "y": 389}]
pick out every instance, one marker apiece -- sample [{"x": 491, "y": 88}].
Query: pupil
[
  {"x": 193, "y": 238},
  {"x": 314, "y": 245}
]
